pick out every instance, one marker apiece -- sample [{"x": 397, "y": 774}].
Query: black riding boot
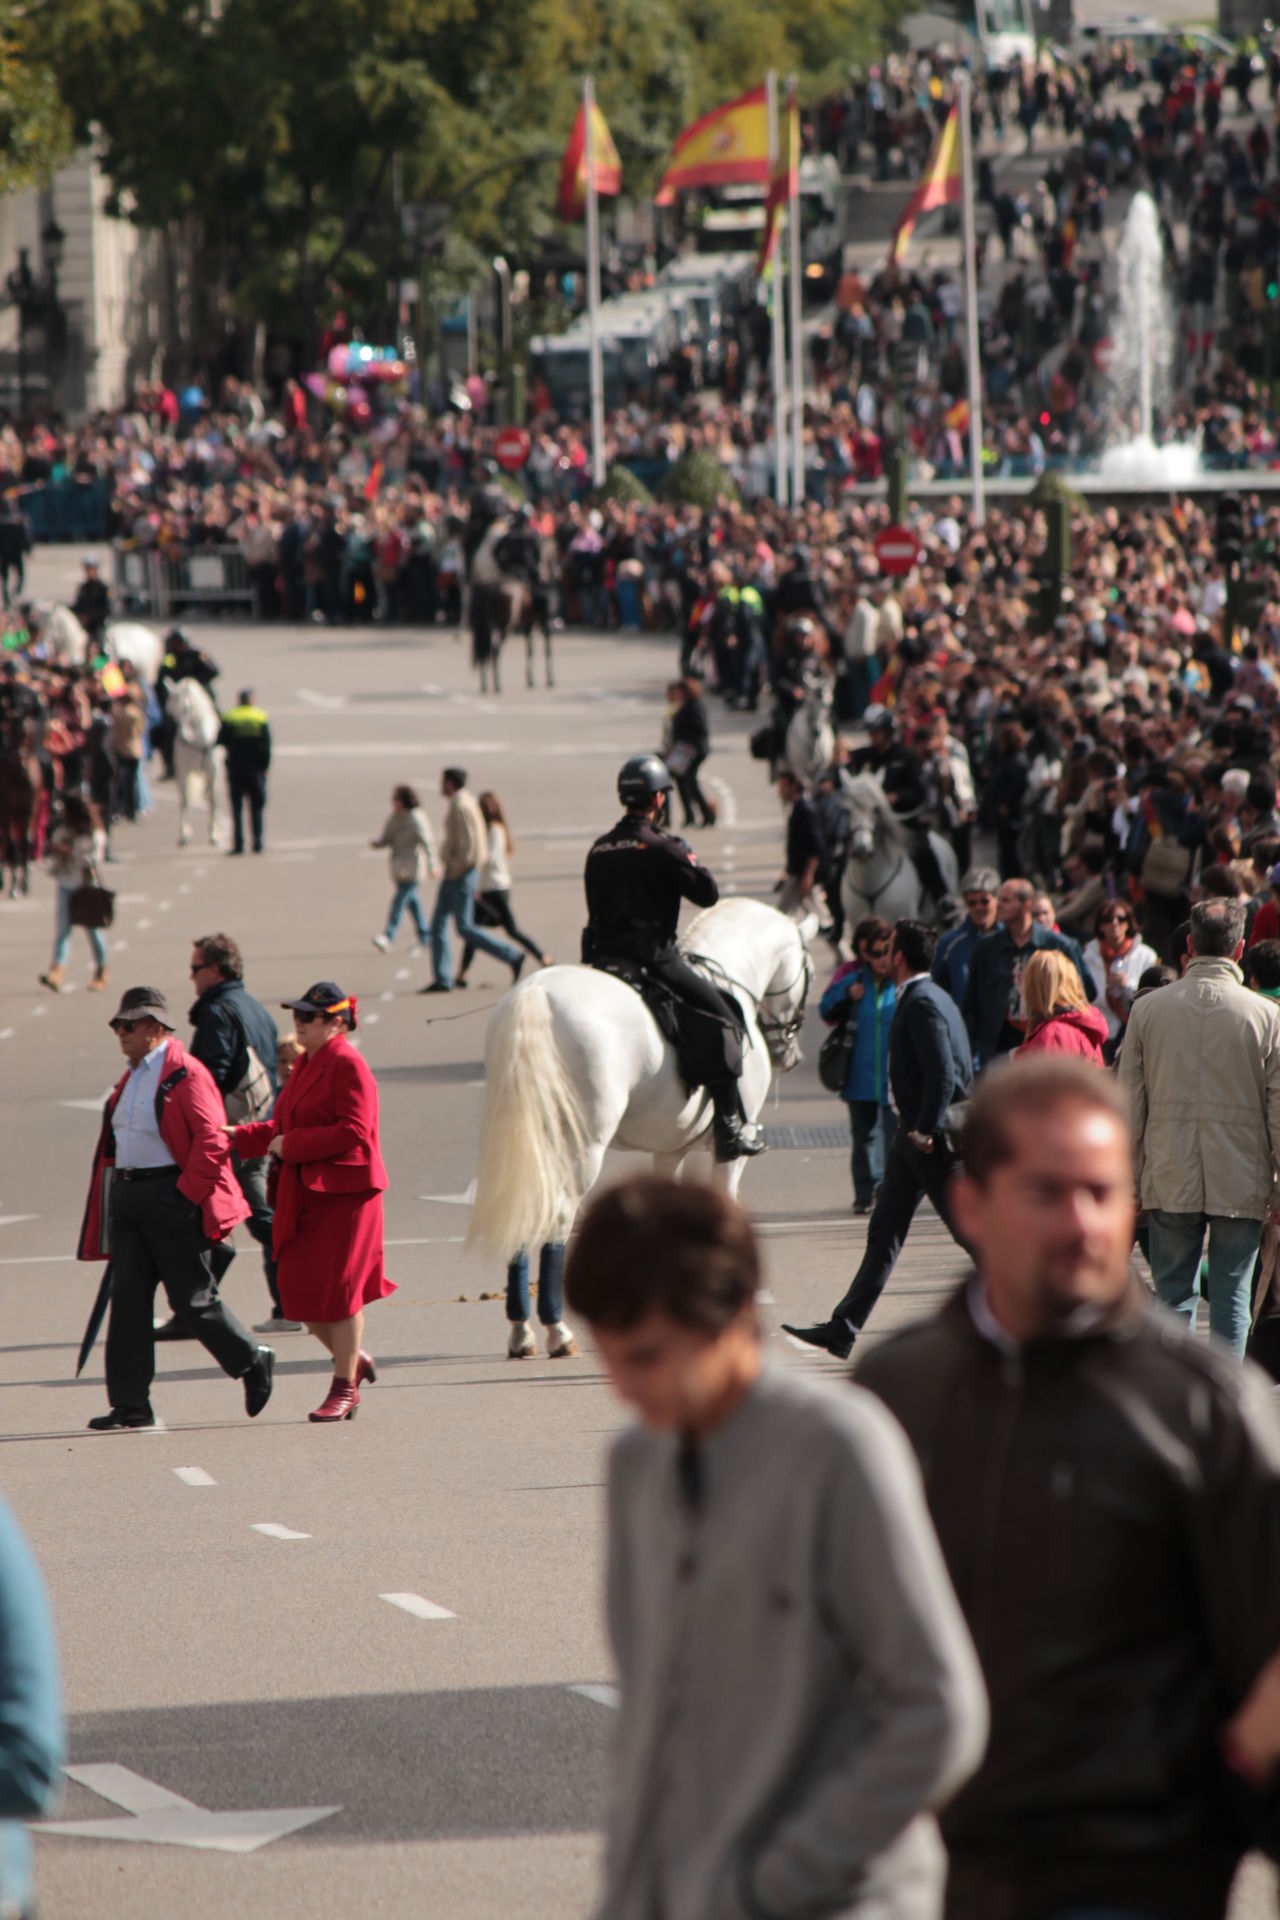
[{"x": 735, "y": 1137}]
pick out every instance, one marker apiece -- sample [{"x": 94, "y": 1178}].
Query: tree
[{"x": 35, "y": 127}]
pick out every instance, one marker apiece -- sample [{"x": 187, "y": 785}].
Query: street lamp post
[
  {"x": 37, "y": 299},
  {"x": 20, "y": 291}
]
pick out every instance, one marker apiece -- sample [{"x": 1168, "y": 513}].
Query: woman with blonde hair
[{"x": 1059, "y": 1018}]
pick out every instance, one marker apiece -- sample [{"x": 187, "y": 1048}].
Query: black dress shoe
[
  {"x": 257, "y": 1382},
  {"x": 173, "y": 1329},
  {"x": 435, "y": 986},
  {"x": 121, "y": 1418},
  {"x": 835, "y": 1337}
]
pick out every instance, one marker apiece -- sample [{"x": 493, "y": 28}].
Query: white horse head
[
  {"x": 194, "y": 715},
  {"x": 872, "y": 820},
  {"x": 810, "y": 741},
  {"x": 61, "y": 635},
  {"x": 142, "y": 647}
]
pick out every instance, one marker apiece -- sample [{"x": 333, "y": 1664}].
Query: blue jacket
[
  {"x": 951, "y": 959},
  {"x": 868, "y": 1077},
  {"x": 31, "y": 1729},
  {"x": 986, "y": 999}
]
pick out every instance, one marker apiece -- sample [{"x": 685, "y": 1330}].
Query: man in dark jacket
[
  {"x": 92, "y": 603},
  {"x": 929, "y": 1070},
  {"x": 236, "y": 1038},
  {"x": 15, "y": 545},
  {"x": 993, "y": 1006},
  {"x": 1107, "y": 1494},
  {"x": 246, "y": 738}
]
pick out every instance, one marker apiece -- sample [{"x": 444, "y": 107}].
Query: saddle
[{"x": 700, "y": 1055}]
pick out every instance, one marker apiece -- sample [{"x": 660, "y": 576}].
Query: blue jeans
[
  {"x": 873, "y": 1128},
  {"x": 456, "y": 901},
  {"x": 1175, "y": 1242},
  {"x": 62, "y": 932},
  {"x": 550, "y": 1289},
  {"x": 406, "y": 895}
]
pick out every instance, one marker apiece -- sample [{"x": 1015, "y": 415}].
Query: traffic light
[{"x": 1229, "y": 540}]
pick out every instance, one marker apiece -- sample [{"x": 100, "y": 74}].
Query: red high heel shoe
[
  {"x": 342, "y": 1402},
  {"x": 365, "y": 1369}
]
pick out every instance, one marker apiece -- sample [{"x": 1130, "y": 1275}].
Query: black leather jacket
[{"x": 1109, "y": 1509}]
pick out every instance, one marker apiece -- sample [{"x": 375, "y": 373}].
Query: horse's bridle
[{"x": 777, "y": 1033}]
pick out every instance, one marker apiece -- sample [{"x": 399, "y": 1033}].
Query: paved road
[{"x": 243, "y": 1669}]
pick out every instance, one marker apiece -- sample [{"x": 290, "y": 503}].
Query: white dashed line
[
  {"x": 403, "y": 974},
  {"x": 184, "y": 888},
  {"x": 371, "y": 1019},
  {"x": 15, "y": 1219},
  {"x": 415, "y": 1604},
  {"x": 195, "y": 1477},
  {"x": 143, "y": 925},
  {"x": 386, "y": 996},
  {"x": 603, "y": 1696},
  {"x": 118, "y": 946},
  {"x": 162, "y": 906},
  {"x": 6, "y": 1033},
  {"x": 38, "y": 1013},
  {"x": 274, "y": 1531}
]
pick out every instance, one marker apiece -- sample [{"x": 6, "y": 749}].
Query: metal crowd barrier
[{"x": 210, "y": 579}]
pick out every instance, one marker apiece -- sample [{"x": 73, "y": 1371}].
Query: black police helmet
[
  {"x": 642, "y": 779},
  {"x": 177, "y": 637}
]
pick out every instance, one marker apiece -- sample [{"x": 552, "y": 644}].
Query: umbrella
[{"x": 96, "y": 1317}]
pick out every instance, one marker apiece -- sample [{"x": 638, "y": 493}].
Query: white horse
[
  {"x": 810, "y": 742},
  {"x": 60, "y": 635},
  {"x": 880, "y": 876},
  {"x": 575, "y": 1063},
  {"x": 194, "y": 755},
  {"x": 142, "y": 647}
]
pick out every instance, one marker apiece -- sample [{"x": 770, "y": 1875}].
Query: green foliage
[
  {"x": 35, "y": 127},
  {"x": 279, "y": 130},
  {"x": 698, "y": 480},
  {"x": 622, "y": 488},
  {"x": 1053, "y": 486}
]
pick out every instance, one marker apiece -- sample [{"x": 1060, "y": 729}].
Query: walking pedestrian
[
  {"x": 15, "y": 545},
  {"x": 92, "y": 603},
  {"x": 76, "y": 847},
  {"x": 929, "y": 1072},
  {"x": 128, "y": 738},
  {"x": 236, "y": 1038},
  {"x": 804, "y": 852},
  {"x": 493, "y": 896},
  {"x": 32, "y": 1735},
  {"x": 406, "y": 833},
  {"x": 798, "y": 1693},
  {"x": 1116, "y": 960},
  {"x": 245, "y": 737},
  {"x": 323, "y": 1135},
  {"x": 521, "y": 1344},
  {"x": 170, "y": 1199},
  {"x": 980, "y": 888},
  {"x": 1059, "y": 1018},
  {"x": 690, "y": 746},
  {"x": 462, "y": 844},
  {"x": 861, "y": 990},
  {"x": 1107, "y": 1496},
  {"x": 1201, "y": 1064}
]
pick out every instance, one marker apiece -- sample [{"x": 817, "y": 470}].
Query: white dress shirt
[{"x": 138, "y": 1138}]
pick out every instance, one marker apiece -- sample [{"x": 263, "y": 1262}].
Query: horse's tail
[{"x": 530, "y": 1178}]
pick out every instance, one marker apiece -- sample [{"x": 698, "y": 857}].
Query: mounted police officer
[
  {"x": 518, "y": 552},
  {"x": 182, "y": 661},
  {"x": 636, "y": 877},
  {"x": 488, "y": 503},
  {"x": 899, "y": 772}
]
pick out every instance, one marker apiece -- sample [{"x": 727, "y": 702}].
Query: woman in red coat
[
  {"x": 328, "y": 1223},
  {"x": 1059, "y": 1018}
]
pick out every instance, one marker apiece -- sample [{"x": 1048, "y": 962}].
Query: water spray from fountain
[{"x": 1144, "y": 343}]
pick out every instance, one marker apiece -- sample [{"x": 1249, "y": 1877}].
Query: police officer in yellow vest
[{"x": 246, "y": 736}]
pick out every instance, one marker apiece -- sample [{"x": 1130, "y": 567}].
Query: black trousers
[
  {"x": 250, "y": 788},
  {"x": 157, "y": 1238},
  {"x": 908, "y": 1175},
  {"x": 711, "y": 1044},
  {"x": 692, "y": 798},
  {"x": 493, "y": 909},
  {"x": 252, "y": 1176}
]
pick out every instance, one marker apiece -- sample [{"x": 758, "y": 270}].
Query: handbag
[
  {"x": 92, "y": 906},
  {"x": 680, "y": 758},
  {"x": 251, "y": 1099},
  {"x": 835, "y": 1056}
]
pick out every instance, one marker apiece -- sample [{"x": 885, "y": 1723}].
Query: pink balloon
[
  {"x": 316, "y": 384},
  {"x": 339, "y": 360}
]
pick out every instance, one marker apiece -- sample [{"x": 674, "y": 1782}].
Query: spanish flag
[
  {"x": 786, "y": 177},
  {"x": 571, "y": 200},
  {"x": 939, "y": 184},
  {"x": 729, "y": 147}
]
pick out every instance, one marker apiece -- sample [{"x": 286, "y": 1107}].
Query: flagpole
[
  {"x": 779, "y": 337},
  {"x": 963, "y": 89},
  {"x": 797, "y": 353},
  {"x": 593, "y": 285}
]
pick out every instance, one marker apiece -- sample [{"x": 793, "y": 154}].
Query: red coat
[
  {"x": 1077, "y": 1030},
  {"x": 191, "y": 1126},
  {"x": 327, "y": 1115}
]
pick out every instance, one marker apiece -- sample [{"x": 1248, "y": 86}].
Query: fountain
[{"x": 1144, "y": 342}]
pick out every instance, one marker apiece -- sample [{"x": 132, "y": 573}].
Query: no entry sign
[
  {"x": 897, "y": 550},
  {"x": 511, "y": 449}
]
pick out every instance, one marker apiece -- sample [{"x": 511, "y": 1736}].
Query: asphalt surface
[{"x": 441, "y": 1758}]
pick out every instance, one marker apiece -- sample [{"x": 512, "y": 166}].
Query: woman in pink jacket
[{"x": 1059, "y": 1018}]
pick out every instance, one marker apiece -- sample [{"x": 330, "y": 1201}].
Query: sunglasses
[
  {"x": 303, "y": 1019},
  {"x": 876, "y": 953},
  {"x": 126, "y": 1026}
]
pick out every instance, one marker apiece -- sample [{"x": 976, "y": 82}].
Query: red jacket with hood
[
  {"x": 191, "y": 1126},
  {"x": 1077, "y": 1030}
]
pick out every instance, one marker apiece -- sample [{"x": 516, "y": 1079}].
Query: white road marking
[
  {"x": 437, "y": 1240},
  {"x": 155, "y": 1815},
  {"x": 184, "y": 888},
  {"x": 162, "y": 906},
  {"x": 404, "y": 974},
  {"x": 415, "y": 750},
  {"x": 15, "y": 1219},
  {"x": 388, "y": 995},
  {"x": 415, "y": 1604},
  {"x": 603, "y": 1696},
  {"x": 38, "y": 1013},
  {"x": 327, "y": 700},
  {"x": 195, "y": 1477},
  {"x": 143, "y": 925},
  {"x": 85, "y": 1106},
  {"x": 274, "y": 1531},
  {"x": 371, "y": 1019},
  {"x": 132, "y": 899},
  {"x": 463, "y": 1199},
  {"x": 6, "y": 1033},
  {"x": 118, "y": 946}
]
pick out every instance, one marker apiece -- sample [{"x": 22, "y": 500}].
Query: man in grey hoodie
[{"x": 799, "y": 1691}]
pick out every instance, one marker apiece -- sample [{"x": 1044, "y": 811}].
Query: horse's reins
[
  {"x": 885, "y": 885},
  {"x": 783, "y": 1032}
]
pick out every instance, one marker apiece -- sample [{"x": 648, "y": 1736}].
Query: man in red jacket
[{"x": 163, "y": 1193}]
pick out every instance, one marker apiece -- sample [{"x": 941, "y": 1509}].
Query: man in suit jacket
[{"x": 929, "y": 1070}]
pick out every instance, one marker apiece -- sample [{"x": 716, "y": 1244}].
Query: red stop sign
[
  {"x": 511, "y": 449},
  {"x": 897, "y": 550}
]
